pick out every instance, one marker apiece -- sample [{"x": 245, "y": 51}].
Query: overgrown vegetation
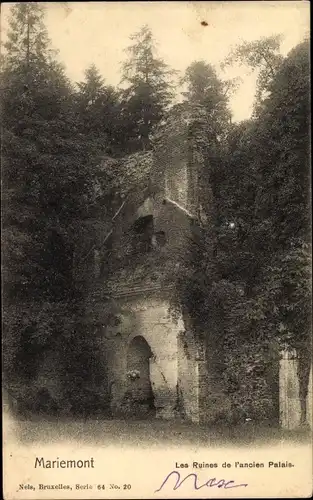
[
  {"x": 245, "y": 282},
  {"x": 248, "y": 280}
]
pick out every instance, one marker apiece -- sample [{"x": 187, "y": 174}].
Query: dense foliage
[
  {"x": 245, "y": 282},
  {"x": 251, "y": 288},
  {"x": 47, "y": 171},
  {"x": 148, "y": 91}
]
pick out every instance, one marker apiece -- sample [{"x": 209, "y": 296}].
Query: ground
[{"x": 147, "y": 433}]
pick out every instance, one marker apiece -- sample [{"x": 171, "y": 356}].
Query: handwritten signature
[{"x": 219, "y": 483}]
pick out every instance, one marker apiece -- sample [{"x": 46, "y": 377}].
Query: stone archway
[{"x": 139, "y": 397}]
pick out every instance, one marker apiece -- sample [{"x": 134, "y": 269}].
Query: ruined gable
[
  {"x": 153, "y": 221},
  {"x": 154, "y": 207},
  {"x": 178, "y": 155}
]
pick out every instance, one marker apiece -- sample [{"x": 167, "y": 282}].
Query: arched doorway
[{"x": 139, "y": 396}]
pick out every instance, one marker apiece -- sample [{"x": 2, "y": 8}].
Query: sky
[{"x": 98, "y": 32}]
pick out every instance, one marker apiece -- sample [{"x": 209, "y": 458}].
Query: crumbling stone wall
[
  {"x": 177, "y": 157},
  {"x": 173, "y": 373},
  {"x": 178, "y": 365},
  {"x": 188, "y": 376},
  {"x": 289, "y": 392}
]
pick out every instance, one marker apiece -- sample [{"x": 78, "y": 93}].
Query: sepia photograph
[{"x": 156, "y": 249}]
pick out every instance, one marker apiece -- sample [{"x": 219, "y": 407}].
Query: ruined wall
[
  {"x": 184, "y": 375},
  {"x": 176, "y": 182},
  {"x": 177, "y": 156},
  {"x": 188, "y": 376},
  {"x": 289, "y": 402},
  {"x": 178, "y": 366},
  {"x": 172, "y": 373},
  {"x": 177, "y": 227}
]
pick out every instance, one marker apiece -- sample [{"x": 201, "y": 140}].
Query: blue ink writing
[{"x": 219, "y": 483}]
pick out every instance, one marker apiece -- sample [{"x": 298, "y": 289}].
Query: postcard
[{"x": 157, "y": 334}]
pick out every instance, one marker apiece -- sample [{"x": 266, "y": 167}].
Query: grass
[{"x": 147, "y": 433}]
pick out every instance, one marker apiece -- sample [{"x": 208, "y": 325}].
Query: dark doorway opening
[{"x": 139, "y": 397}]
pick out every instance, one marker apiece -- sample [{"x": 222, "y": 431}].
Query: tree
[
  {"x": 249, "y": 283},
  {"x": 206, "y": 89},
  {"x": 47, "y": 186},
  {"x": 262, "y": 56},
  {"x": 283, "y": 207},
  {"x": 97, "y": 108},
  {"x": 208, "y": 94},
  {"x": 148, "y": 92},
  {"x": 275, "y": 308},
  {"x": 269, "y": 253},
  {"x": 27, "y": 40},
  {"x": 31, "y": 82}
]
